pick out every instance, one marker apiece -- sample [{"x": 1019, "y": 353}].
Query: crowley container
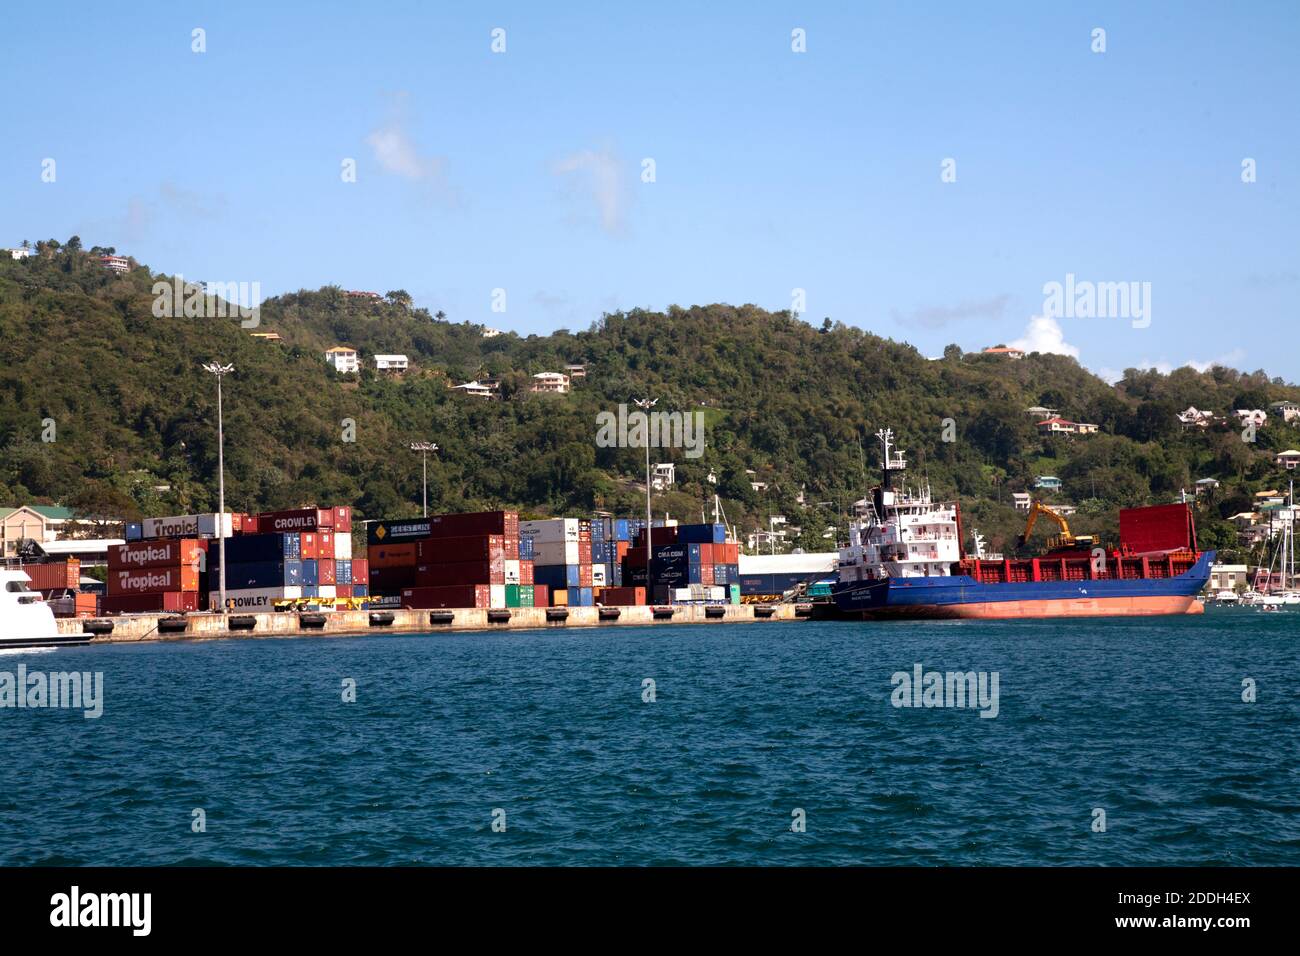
[
  {"x": 169, "y": 602},
  {"x": 360, "y": 571},
  {"x": 389, "y": 532},
  {"x": 474, "y": 523},
  {"x": 465, "y": 595},
  {"x": 551, "y": 530},
  {"x": 555, "y": 576},
  {"x": 153, "y": 580},
  {"x": 391, "y": 555},
  {"x": 344, "y": 591},
  {"x": 556, "y": 552},
  {"x": 260, "y": 575},
  {"x": 187, "y": 526},
  {"x": 254, "y": 599},
  {"x": 460, "y": 572},
  {"x": 301, "y": 519},
  {"x": 57, "y": 575},
  {"x": 171, "y": 552},
  {"x": 486, "y": 547}
]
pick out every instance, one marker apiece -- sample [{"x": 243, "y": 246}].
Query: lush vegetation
[{"x": 84, "y": 361}]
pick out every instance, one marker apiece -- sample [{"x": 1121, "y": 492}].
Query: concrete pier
[{"x": 157, "y": 627}]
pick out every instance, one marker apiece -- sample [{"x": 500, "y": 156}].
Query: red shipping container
[
  {"x": 621, "y": 549},
  {"x": 584, "y": 552},
  {"x": 525, "y": 572},
  {"x": 467, "y": 595},
  {"x": 706, "y": 574},
  {"x": 327, "y": 571},
  {"x": 309, "y": 545},
  {"x": 249, "y": 525},
  {"x": 153, "y": 580},
  {"x": 325, "y": 545},
  {"x": 360, "y": 571},
  {"x": 461, "y": 572},
  {"x": 302, "y": 519},
  {"x": 475, "y": 523},
  {"x": 343, "y": 591},
  {"x": 541, "y": 595},
  {"x": 622, "y": 597},
  {"x": 584, "y": 575},
  {"x": 343, "y": 520},
  {"x": 58, "y": 575},
  {"x": 389, "y": 580},
  {"x": 487, "y": 547},
  {"x": 171, "y": 601},
  {"x": 390, "y": 556},
  {"x": 706, "y": 554},
  {"x": 165, "y": 553}
]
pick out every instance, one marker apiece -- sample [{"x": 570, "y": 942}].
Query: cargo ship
[{"x": 905, "y": 559}]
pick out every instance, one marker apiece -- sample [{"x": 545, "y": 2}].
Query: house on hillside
[
  {"x": 1251, "y": 416},
  {"x": 1047, "y": 483},
  {"x": 1206, "y": 484},
  {"x": 1063, "y": 426},
  {"x": 489, "y": 333},
  {"x": 391, "y": 364},
  {"x": 19, "y": 253},
  {"x": 576, "y": 371},
  {"x": 1289, "y": 412},
  {"x": 663, "y": 475},
  {"x": 118, "y": 264},
  {"x": 1042, "y": 411},
  {"x": 39, "y": 523},
  {"x": 1022, "y": 500},
  {"x": 1288, "y": 459},
  {"x": 554, "y": 383},
  {"x": 344, "y": 359},
  {"x": 477, "y": 389},
  {"x": 1194, "y": 417},
  {"x": 1005, "y": 351}
]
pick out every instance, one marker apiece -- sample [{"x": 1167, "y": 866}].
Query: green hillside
[{"x": 135, "y": 431}]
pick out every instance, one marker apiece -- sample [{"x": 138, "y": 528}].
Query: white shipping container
[
  {"x": 717, "y": 592},
  {"x": 512, "y": 571},
  {"x": 327, "y": 591},
  {"x": 598, "y": 579},
  {"x": 496, "y": 595},
  {"x": 555, "y": 552},
  {"x": 187, "y": 526},
  {"x": 253, "y": 600},
  {"x": 342, "y": 547},
  {"x": 550, "y": 529}
]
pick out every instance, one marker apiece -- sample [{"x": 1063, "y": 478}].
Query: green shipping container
[
  {"x": 734, "y": 593},
  {"x": 512, "y": 595},
  {"x": 525, "y": 595}
]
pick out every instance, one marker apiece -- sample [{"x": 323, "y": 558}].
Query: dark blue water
[{"x": 1143, "y": 719}]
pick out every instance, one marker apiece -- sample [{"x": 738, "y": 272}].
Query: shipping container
[
  {"x": 329, "y": 591},
  {"x": 325, "y": 545},
  {"x": 526, "y": 549},
  {"x": 300, "y": 519},
  {"x": 343, "y": 571},
  {"x": 560, "y": 597},
  {"x": 511, "y": 572},
  {"x": 474, "y": 523},
  {"x": 153, "y": 580},
  {"x": 701, "y": 533},
  {"x": 550, "y": 530},
  {"x": 134, "y": 531},
  {"x": 621, "y": 597},
  {"x": 581, "y": 597},
  {"x": 388, "y": 580},
  {"x": 599, "y": 576},
  {"x": 74, "y": 604},
  {"x": 260, "y": 575},
  {"x": 360, "y": 571},
  {"x": 556, "y": 552},
  {"x": 392, "y": 532},
  {"x": 485, "y": 547},
  {"x": 526, "y": 572},
  {"x": 165, "y": 553},
  {"x": 466, "y": 595},
  {"x": 344, "y": 591},
  {"x": 392, "y": 555},
  {"x": 342, "y": 544},
  {"x": 326, "y": 572},
  {"x": 254, "y": 600},
  {"x": 541, "y": 595},
  {"x": 251, "y": 549},
  {"x": 170, "y": 602},
  {"x": 460, "y": 572},
  {"x": 556, "y": 575},
  {"x": 343, "y": 521},
  {"x": 187, "y": 526},
  {"x": 519, "y": 595},
  {"x": 54, "y": 575},
  {"x": 309, "y": 545}
]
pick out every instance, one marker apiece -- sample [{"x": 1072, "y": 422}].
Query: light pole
[
  {"x": 424, "y": 447},
  {"x": 645, "y": 404},
  {"x": 220, "y": 371}
]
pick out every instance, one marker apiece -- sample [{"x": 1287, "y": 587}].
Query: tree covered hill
[{"x": 85, "y": 362}]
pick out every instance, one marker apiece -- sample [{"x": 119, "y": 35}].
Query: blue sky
[{"x": 774, "y": 170}]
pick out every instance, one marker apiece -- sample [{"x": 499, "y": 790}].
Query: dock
[{"x": 134, "y": 628}]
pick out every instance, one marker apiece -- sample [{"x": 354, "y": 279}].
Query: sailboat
[{"x": 1280, "y": 569}]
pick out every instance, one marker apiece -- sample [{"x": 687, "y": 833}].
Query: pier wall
[{"x": 145, "y": 627}]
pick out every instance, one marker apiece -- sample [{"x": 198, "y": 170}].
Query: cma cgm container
[
  {"x": 465, "y": 595},
  {"x": 551, "y": 530}
]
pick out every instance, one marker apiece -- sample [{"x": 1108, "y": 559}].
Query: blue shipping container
[
  {"x": 261, "y": 574},
  {"x": 135, "y": 531},
  {"x": 343, "y": 572},
  {"x": 556, "y": 576},
  {"x": 702, "y": 533},
  {"x": 310, "y": 573},
  {"x": 525, "y": 549}
]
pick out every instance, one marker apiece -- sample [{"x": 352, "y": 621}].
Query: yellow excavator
[{"x": 1057, "y": 541}]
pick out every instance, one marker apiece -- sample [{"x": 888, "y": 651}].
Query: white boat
[
  {"x": 1226, "y": 596},
  {"x": 25, "y": 619}
]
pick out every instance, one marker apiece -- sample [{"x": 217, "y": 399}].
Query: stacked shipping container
[{"x": 454, "y": 560}]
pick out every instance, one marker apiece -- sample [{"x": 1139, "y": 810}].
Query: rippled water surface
[{"x": 1143, "y": 719}]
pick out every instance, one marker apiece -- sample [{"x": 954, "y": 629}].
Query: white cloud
[
  {"x": 601, "y": 178},
  {"x": 1043, "y": 334},
  {"x": 938, "y": 316},
  {"x": 1164, "y": 366},
  {"x": 396, "y": 152}
]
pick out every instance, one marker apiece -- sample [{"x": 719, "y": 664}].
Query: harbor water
[{"x": 752, "y": 745}]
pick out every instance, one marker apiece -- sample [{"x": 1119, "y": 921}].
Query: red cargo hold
[
  {"x": 1157, "y": 528},
  {"x": 153, "y": 580},
  {"x": 468, "y": 595},
  {"x": 486, "y": 547},
  {"x": 164, "y": 553}
]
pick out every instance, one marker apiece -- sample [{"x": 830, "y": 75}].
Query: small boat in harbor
[{"x": 26, "y": 621}]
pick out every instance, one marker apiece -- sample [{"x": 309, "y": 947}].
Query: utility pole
[
  {"x": 645, "y": 404},
  {"x": 424, "y": 447},
  {"x": 220, "y": 371}
]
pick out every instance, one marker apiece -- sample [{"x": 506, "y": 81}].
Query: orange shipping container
[
  {"x": 55, "y": 576},
  {"x": 391, "y": 555}
]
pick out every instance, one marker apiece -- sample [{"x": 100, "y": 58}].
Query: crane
[{"x": 1063, "y": 540}]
